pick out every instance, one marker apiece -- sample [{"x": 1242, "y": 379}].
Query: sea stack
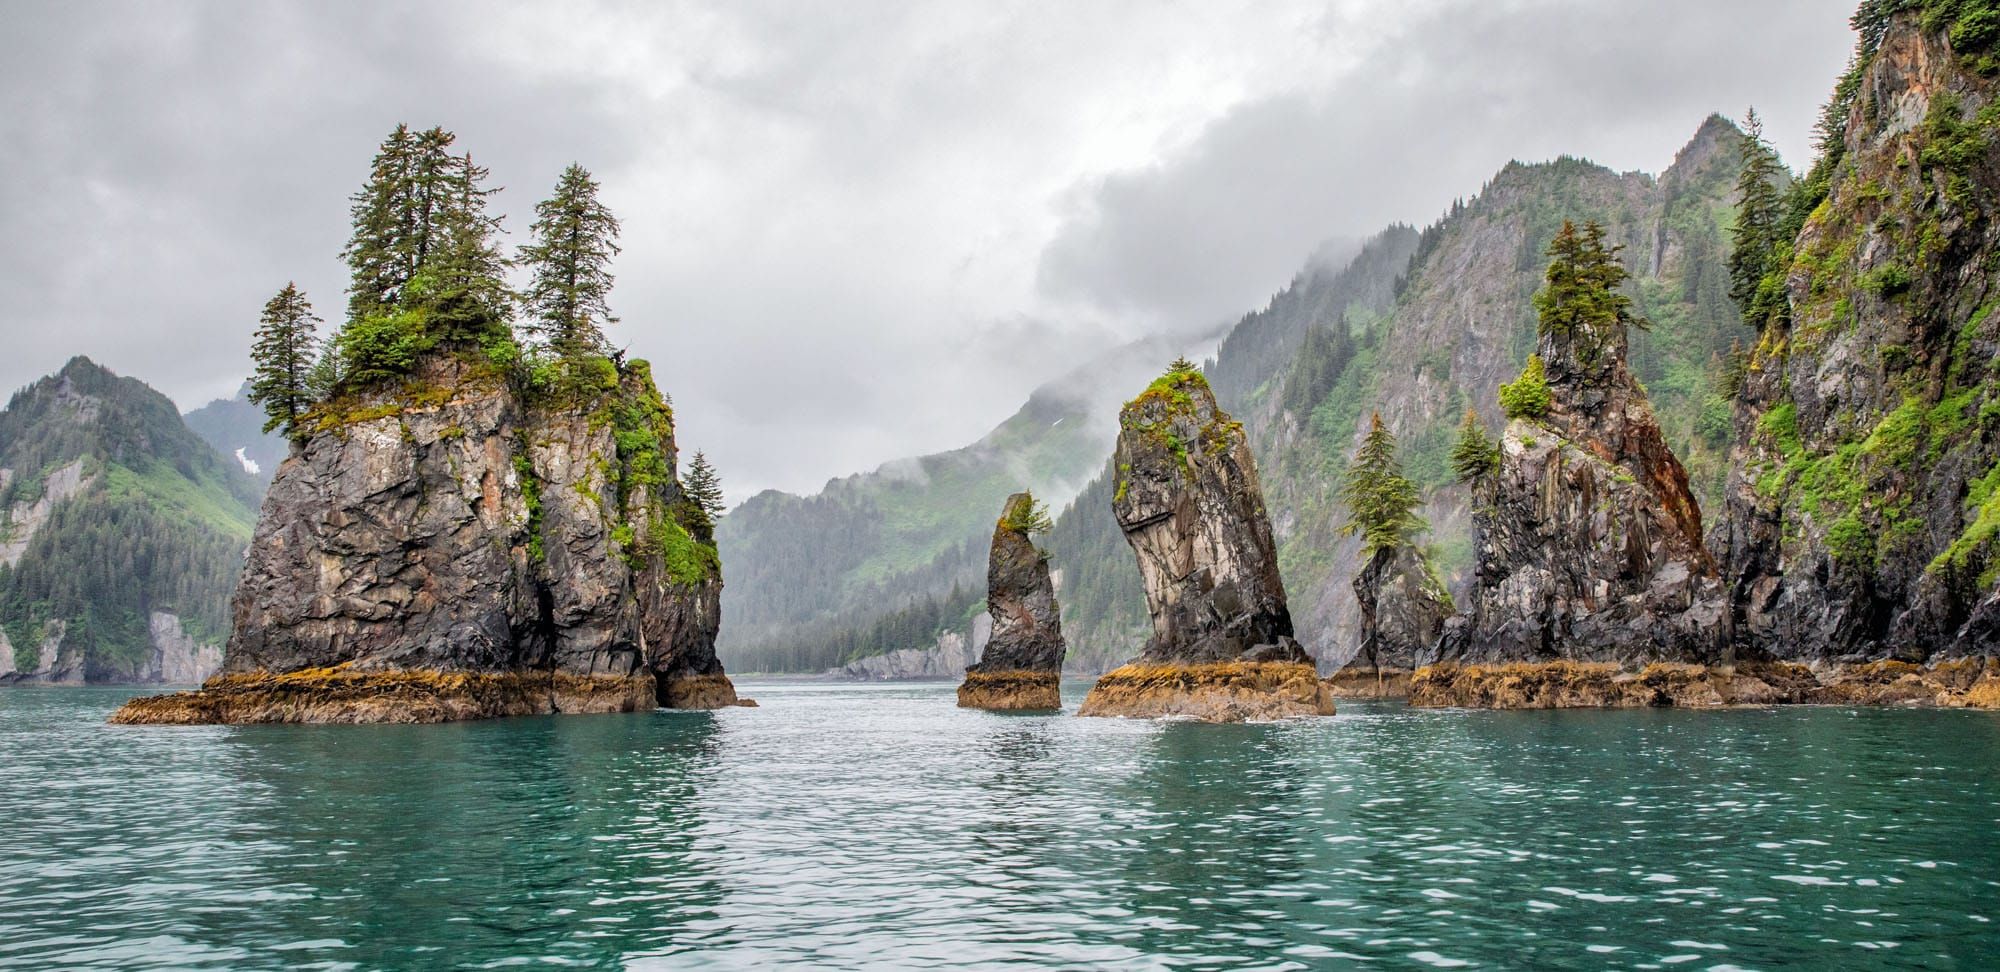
[
  {"x": 1404, "y": 606},
  {"x": 1021, "y": 667},
  {"x": 452, "y": 547},
  {"x": 1188, "y": 502},
  {"x": 1589, "y": 541}
]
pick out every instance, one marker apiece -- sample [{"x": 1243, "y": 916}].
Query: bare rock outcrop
[
  {"x": 1188, "y": 501},
  {"x": 471, "y": 551},
  {"x": 1021, "y": 667},
  {"x": 1404, "y": 607},
  {"x": 1588, "y": 539}
]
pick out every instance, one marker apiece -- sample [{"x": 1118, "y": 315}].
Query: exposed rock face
[
  {"x": 1862, "y": 509},
  {"x": 454, "y": 528},
  {"x": 44, "y": 662},
  {"x": 946, "y": 659},
  {"x": 1404, "y": 607},
  {"x": 178, "y": 658},
  {"x": 1588, "y": 538},
  {"x": 18, "y": 525},
  {"x": 1188, "y": 502},
  {"x": 1021, "y": 667}
]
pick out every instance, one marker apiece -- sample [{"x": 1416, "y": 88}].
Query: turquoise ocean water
[{"x": 843, "y": 826}]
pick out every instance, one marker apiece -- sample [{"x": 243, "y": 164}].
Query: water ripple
[{"x": 851, "y": 827}]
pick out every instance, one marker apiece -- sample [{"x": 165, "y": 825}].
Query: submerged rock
[
  {"x": 456, "y": 549},
  {"x": 1189, "y": 504},
  {"x": 1021, "y": 667}
]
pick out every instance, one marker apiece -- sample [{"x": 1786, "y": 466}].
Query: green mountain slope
[{"x": 121, "y": 533}]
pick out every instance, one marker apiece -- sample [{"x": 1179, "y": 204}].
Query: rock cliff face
[
  {"x": 1021, "y": 667},
  {"x": 1404, "y": 607},
  {"x": 945, "y": 658},
  {"x": 454, "y": 528},
  {"x": 1588, "y": 539},
  {"x": 1189, "y": 504},
  {"x": 1863, "y": 518}
]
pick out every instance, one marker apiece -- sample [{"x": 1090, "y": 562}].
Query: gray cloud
[
  {"x": 1424, "y": 118},
  {"x": 853, "y": 231}
]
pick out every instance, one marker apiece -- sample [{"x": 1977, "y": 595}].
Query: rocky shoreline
[
  {"x": 1212, "y": 692},
  {"x": 1966, "y": 683}
]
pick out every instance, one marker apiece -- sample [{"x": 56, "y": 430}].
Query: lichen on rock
[
  {"x": 1021, "y": 667},
  {"x": 1188, "y": 501},
  {"x": 456, "y": 525}
]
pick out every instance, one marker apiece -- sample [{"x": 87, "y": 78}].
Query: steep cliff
[
  {"x": 1588, "y": 538},
  {"x": 1021, "y": 666},
  {"x": 121, "y": 534},
  {"x": 452, "y": 547},
  {"x": 1863, "y": 519},
  {"x": 1188, "y": 502}
]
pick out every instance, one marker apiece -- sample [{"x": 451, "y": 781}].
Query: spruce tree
[
  {"x": 1581, "y": 299},
  {"x": 574, "y": 238},
  {"x": 703, "y": 486},
  {"x": 1475, "y": 456},
  {"x": 462, "y": 262},
  {"x": 424, "y": 268},
  {"x": 285, "y": 353},
  {"x": 1381, "y": 502},
  {"x": 1759, "y": 216},
  {"x": 381, "y": 212}
]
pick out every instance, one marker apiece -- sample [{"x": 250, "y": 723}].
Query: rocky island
[
  {"x": 1189, "y": 504},
  {"x": 1403, "y": 601},
  {"x": 467, "y": 527},
  {"x": 1021, "y": 667},
  {"x": 1588, "y": 538}
]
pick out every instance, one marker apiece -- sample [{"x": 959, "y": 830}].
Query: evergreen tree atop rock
[
  {"x": 1381, "y": 501},
  {"x": 285, "y": 353}
]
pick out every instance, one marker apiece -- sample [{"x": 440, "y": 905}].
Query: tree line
[{"x": 427, "y": 272}]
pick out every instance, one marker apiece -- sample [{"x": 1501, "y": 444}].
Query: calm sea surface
[{"x": 845, "y": 826}]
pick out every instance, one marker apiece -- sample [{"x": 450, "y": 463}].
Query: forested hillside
[{"x": 121, "y": 533}]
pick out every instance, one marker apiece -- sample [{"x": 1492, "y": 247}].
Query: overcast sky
[{"x": 853, "y": 231}]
